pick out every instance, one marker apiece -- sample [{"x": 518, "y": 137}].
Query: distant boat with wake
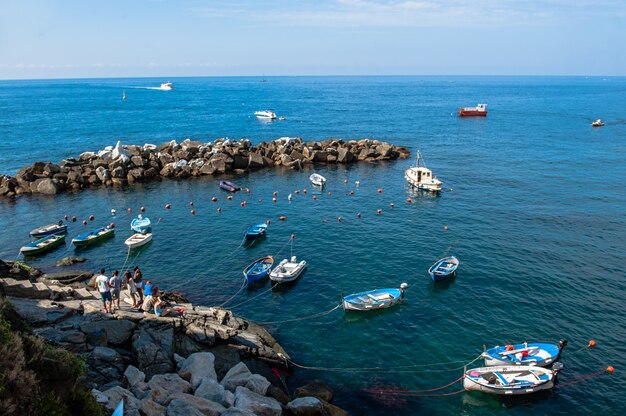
[
  {"x": 265, "y": 114},
  {"x": 167, "y": 86}
]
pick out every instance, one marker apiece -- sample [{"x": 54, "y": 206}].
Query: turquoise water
[{"x": 534, "y": 200}]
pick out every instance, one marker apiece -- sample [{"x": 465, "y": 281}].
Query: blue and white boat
[
  {"x": 533, "y": 353},
  {"x": 444, "y": 268},
  {"x": 43, "y": 245},
  {"x": 374, "y": 299},
  {"x": 258, "y": 269},
  {"x": 256, "y": 231},
  {"x": 510, "y": 380},
  {"x": 50, "y": 229},
  {"x": 140, "y": 224},
  {"x": 94, "y": 236},
  {"x": 229, "y": 186},
  {"x": 317, "y": 179}
]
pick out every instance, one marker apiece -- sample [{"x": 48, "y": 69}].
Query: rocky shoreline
[
  {"x": 198, "y": 363},
  {"x": 125, "y": 164}
]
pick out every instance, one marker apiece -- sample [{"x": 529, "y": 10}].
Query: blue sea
[{"x": 534, "y": 200}]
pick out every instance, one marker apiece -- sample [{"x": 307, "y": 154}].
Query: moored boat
[
  {"x": 258, "y": 269},
  {"x": 50, "y": 229},
  {"x": 533, "y": 353},
  {"x": 138, "y": 240},
  {"x": 140, "y": 224},
  {"x": 265, "y": 114},
  {"x": 510, "y": 380},
  {"x": 255, "y": 231},
  {"x": 93, "y": 236},
  {"x": 444, "y": 268},
  {"x": 229, "y": 186},
  {"x": 287, "y": 270},
  {"x": 479, "y": 111},
  {"x": 317, "y": 179},
  {"x": 374, "y": 299},
  {"x": 597, "y": 123},
  {"x": 43, "y": 245},
  {"x": 421, "y": 177}
]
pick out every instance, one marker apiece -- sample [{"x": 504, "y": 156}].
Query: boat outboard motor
[
  {"x": 402, "y": 287},
  {"x": 558, "y": 366},
  {"x": 562, "y": 343}
]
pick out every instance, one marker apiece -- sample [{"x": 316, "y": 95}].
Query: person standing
[
  {"x": 102, "y": 283},
  {"x": 132, "y": 289},
  {"x": 115, "y": 283},
  {"x": 138, "y": 277}
]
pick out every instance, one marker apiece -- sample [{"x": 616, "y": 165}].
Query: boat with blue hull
[
  {"x": 533, "y": 353},
  {"x": 510, "y": 380},
  {"x": 444, "y": 268},
  {"x": 258, "y": 269},
  {"x": 50, "y": 229},
  {"x": 229, "y": 186},
  {"x": 140, "y": 224},
  {"x": 43, "y": 245},
  {"x": 374, "y": 299},
  {"x": 255, "y": 232},
  {"x": 94, "y": 236}
]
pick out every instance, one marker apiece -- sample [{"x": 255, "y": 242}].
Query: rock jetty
[
  {"x": 125, "y": 164},
  {"x": 204, "y": 362}
]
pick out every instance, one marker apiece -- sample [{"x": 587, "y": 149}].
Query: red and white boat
[{"x": 479, "y": 111}]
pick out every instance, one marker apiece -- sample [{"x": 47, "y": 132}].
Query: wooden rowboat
[
  {"x": 138, "y": 240},
  {"x": 43, "y": 245},
  {"x": 140, "y": 224},
  {"x": 374, "y": 299},
  {"x": 317, "y": 179},
  {"x": 94, "y": 236},
  {"x": 50, "y": 229},
  {"x": 533, "y": 353},
  {"x": 256, "y": 231},
  {"x": 510, "y": 380},
  {"x": 444, "y": 268},
  {"x": 258, "y": 269}
]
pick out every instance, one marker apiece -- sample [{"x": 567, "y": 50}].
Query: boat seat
[{"x": 501, "y": 378}]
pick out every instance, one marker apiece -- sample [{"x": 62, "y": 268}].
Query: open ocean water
[{"x": 534, "y": 198}]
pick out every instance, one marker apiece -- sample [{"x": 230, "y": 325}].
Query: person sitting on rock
[
  {"x": 147, "y": 288},
  {"x": 148, "y": 302}
]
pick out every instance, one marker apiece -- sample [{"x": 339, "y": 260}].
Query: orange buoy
[
  {"x": 445, "y": 228},
  {"x": 130, "y": 209},
  {"x": 592, "y": 344},
  {"x": 168, "y": 206},
  {"x": 275, "y": 193},
  {"x": 329, "y": 194},
  {"x": 84, "y": 222},
  {"x": 378, "y": 211},
  {"x": 91, "y": 217},
  {"x": 358, "y": 215},
  {"x": 191, "y": 203},
  {"x": 112, "y": 225},
  {"x": 193, "y": 212},
  {"x": 339, "y": 219},
  {"x": 267, "y": 222},
  {"x": 229, "y": 197},
  {"x": 392, "y": 205},
  {"x": 282, "y": 218},
  {"x": 142, "y": 209},
  {"x": 297, "y": 192},
  {"x": 273, "y": 199},
  {"x": 409, "y": 200},
  {"x": 510, "y": 347},
  {"x": 293, "y": 236},
  {"x": 610, "y": 369},
  {"x": 247, "y": 190},
  {"x": 219, "y": 209},
  {"x": 380, "y": 191},
  {"x": 314, "y": 197},
  {"x": 74, "y": 218}
]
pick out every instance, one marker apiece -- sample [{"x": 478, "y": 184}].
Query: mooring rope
[
  {"x": 407, "y": 392},
  {"x": 317, "y": 315},
  {"x": 233, "y": 296},
  {"x": 584, "y": 378},
  {"x": 254, "y": 297}
]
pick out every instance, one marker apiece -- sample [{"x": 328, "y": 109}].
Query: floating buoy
[
  {"x": 65, "y": 217},
  {"x": 130, "y": 209},
  {"x": 91, "y": 217},
  {"x": 314, "y": 197},
  {"x": 591, "y": 344},
  {"x": 275, "y": 193},
  {"x": 610, "y": 369},
  {"x": 267, "y": 222},
  {"x": 297, "y": 192},
  {"x": 357, "y": 183},
  {"x": 219, "y": 209},
  {"x": 345, "y": 181},
  {"x": 112, "y": 225},
  {"x": 304, "y": 191},
  {"x": 260, "y": 200},
  {"x": 247, "y": 190},
  {"x": 193, "y": 212},
  {"x": 113, "y": 212},
  {"x": 282, "y": 218},
  {"x": 358, "y": 215},
  {"x": 339, "y": 219},
  {"x": 289, "y": 197},
  {"x": 293, "y": 236},
  {"x": 273, "y": 199},
  {"x": 392, "y": 205},
  {"x": 409, "y": 200},
  {"x": 74, "y": 218},
  {"x": 242, "y": 204},
  {"x": 84, "y": 222},
  {"x": 142, "y": 209},
  {"x": 191, "y": 203},
  {"x": 229, "y": 197},
  {"x": 445, "y": 228},
  {"x": 378, "y": 211},
  {"x": 329, "y": 194},
  {"x": 168, "y": 206},
  {"x": 380, "y": 191},
  {"x": 214, "y": 199},
  {"x": 351, "y": 192}
]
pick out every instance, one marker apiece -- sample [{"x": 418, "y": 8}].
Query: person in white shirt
[{"x": 102, "y": 283}]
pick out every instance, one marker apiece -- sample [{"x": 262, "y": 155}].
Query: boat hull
[
  {"x": 539, "y": 354},
  {"x": 138, "y": 240},
  {"x": 255, "y": 232},
  {"x": 140, "y": 225},
  {"x": 43, "y": 245},
  {"x": 472, "y": 113},
  {"x": 287, "y": 271},
  {"x": 259, "y": 269},
  {"x": 372, "y": 300},
  {"x": 434, "y": 185},
  {"x": 93, "y": 237},
  {"x": 47, "y": 230},
  {"x": 229, "y": 186},
  {"x": 509, "y": 380},
  {"x": 317, "y": 179},
  {"x": 444, "y": 269}
]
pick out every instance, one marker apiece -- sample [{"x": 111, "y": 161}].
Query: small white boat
[
  {"x": 317, "y": 179},
  {"x": 138, "y": 240},
  {"x": 422, "y": 178},
  {"x": 287, "y": 270},
  {"x": 510, "y": 380},
  {"x": 167, "y": 86},
  {"x": 597, "y": 123},
  {"x": 265, "y": 114}
]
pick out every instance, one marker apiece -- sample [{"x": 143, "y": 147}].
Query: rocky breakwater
[{"x": 125, "y": 164}]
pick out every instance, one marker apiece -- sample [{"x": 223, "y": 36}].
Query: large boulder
[
  {"x": 188, "y": 405},
  {"x": 255, "y": 161},
  {"x": 116, "y": 394},
  {"x": 47, "y": 186},
  {"x": 149, "y": 408},
  {"x": 317, "y": 389},
  {"x": 153, "y": 347},
  {"x": 306, "y": 406},
  {"x": 255, "y": 403},
  {"x": 163, "y": 386},
  {"x": 240, "y": 375},
  {"x": 118, "y": 331},
  {"x": 120, "y": 153},
  {"x": 198, "y": 365},
  {"x": 211, "y": 390}
]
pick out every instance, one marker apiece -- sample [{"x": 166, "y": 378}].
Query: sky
[{"x": 163, "y": 38}]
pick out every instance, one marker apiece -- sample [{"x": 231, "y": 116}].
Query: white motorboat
[
  {"x": 287, "y": 270},
  {"x": 167, "y": 86},
  {"x": 422, "y": 178},
  {"x": 597, "y": 123},
  {"x": 265, "y": 114},
  {"x": 317, "y": 179},
  {"x": 138, "y": 240},
  {"x": 510, "y": 380}
]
